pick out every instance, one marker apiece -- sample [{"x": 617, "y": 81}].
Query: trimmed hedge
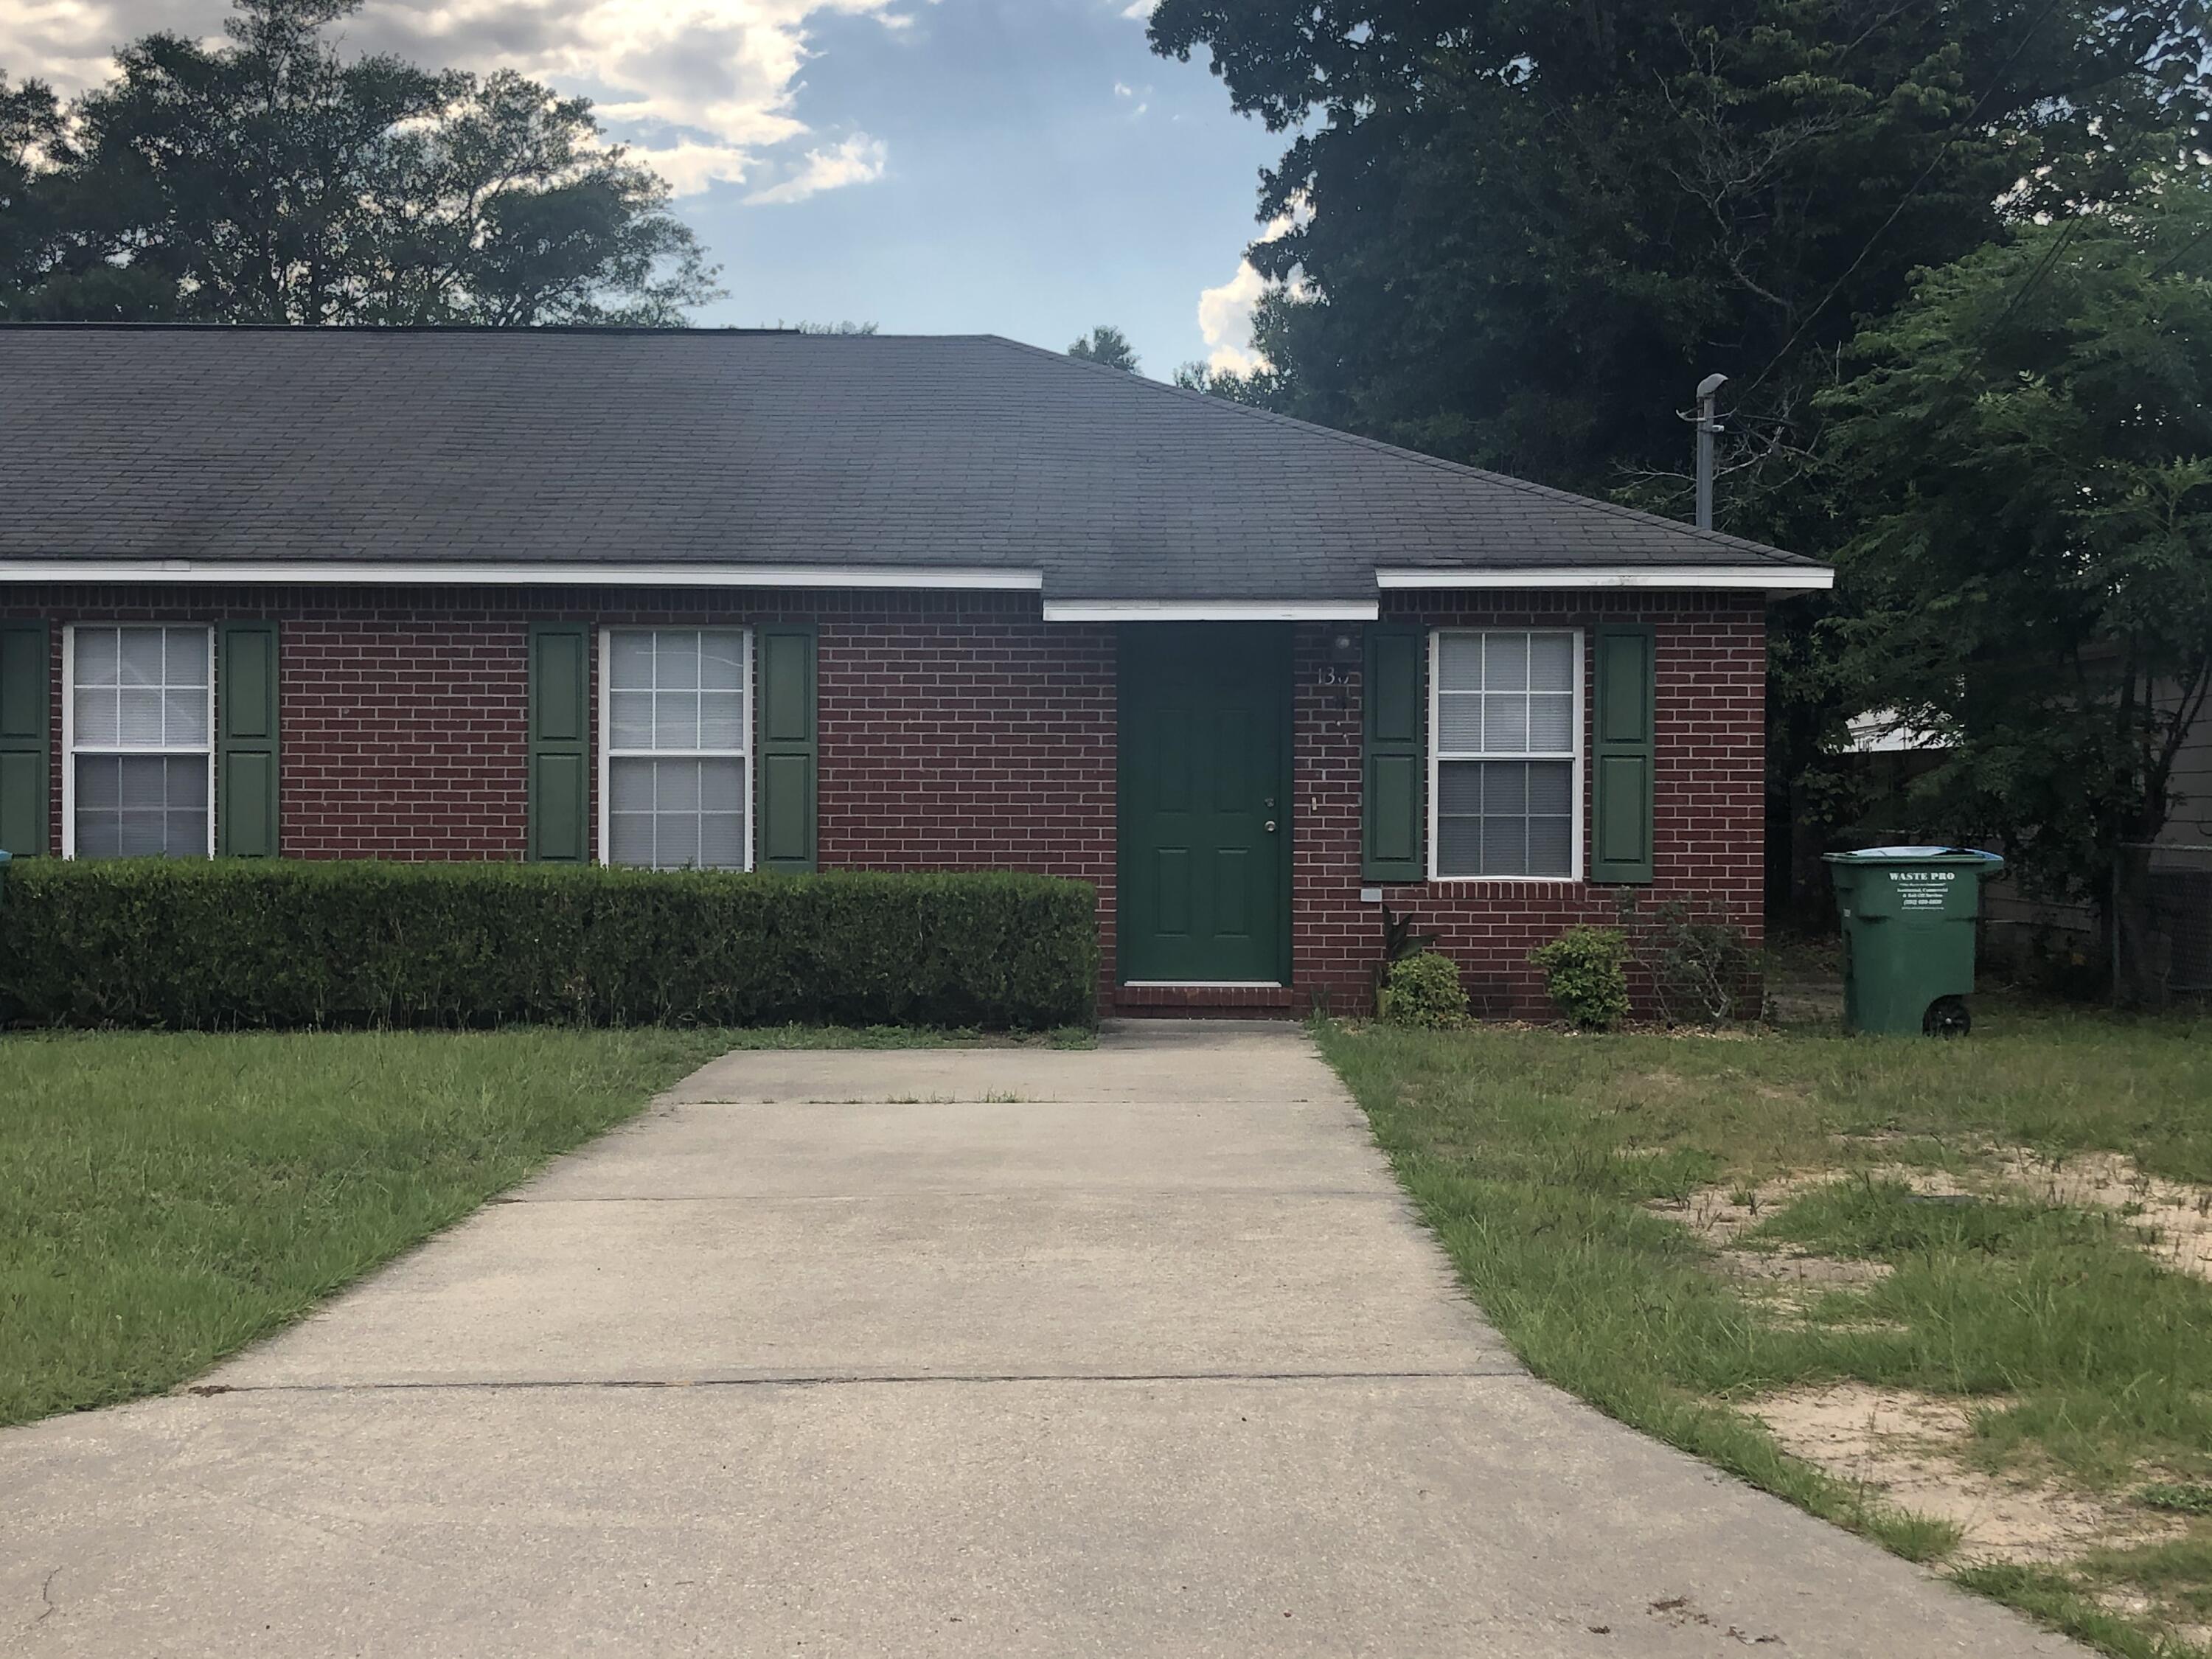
[{"x": 222, "y": 944}]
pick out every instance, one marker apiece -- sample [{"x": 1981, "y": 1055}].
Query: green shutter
[
  {"x": 785, "y": 835},
  {"x": 246, "y": 740},
  {"x": 1622, "y": 754},
  {"x": 26, "y": 685},
  {"x": 1393, "y": 781},
  {"x": 559, "y": 743}
]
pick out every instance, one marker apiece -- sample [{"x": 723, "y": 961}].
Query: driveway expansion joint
[{"x": 855, "y": 1379}]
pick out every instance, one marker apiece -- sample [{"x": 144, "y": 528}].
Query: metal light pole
[{"x": 1708, "y": 389}]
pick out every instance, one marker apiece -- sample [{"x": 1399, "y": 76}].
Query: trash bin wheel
[{"x": 1947, "y": 1016}]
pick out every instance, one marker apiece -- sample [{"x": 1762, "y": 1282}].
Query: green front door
[{"x": 1206, "y": 825}]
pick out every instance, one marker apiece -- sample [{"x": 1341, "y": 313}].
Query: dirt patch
[
  {"x": 1904, "y": 1448},
  {"x": 2171, "y": 1219}
]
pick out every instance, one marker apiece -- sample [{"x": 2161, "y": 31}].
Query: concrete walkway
[{"x": 1130, "y": 1352}]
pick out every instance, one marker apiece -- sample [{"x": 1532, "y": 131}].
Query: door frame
[{"x": 1283, "y": 647}]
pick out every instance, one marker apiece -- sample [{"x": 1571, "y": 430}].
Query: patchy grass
[
  {"x": 1559, "y": 1171},
  {"x": 166, "y": 1199}
]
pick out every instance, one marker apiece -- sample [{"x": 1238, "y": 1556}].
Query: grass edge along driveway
[
  {"x": 1543, "y": 1162},
  {"x": 168, "y": 1198}
]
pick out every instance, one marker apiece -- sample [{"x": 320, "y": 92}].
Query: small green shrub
[
  {"x": 282, "y": 945},
  {"x": 1586, "y": 974},
  {"x": 1423, "y": 989}
]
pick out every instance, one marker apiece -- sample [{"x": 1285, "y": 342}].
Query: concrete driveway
[{"x": 1135, "y": 1351}]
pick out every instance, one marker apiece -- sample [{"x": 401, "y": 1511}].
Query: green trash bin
[{"x": 1909, "y": 935}]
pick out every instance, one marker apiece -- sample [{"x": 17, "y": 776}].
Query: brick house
[{"x": 764, "y": 600}]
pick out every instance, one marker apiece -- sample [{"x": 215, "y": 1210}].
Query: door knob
[{"x": 1269, "y": 826}]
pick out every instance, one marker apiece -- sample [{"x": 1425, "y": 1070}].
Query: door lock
[{"x": 1269, "y": 826}]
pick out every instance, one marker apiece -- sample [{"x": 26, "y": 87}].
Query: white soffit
[
  {"x": 441, "y": 574},
  {"x": 1772, "y": 579},
  {"x": 1071, "y": 610}
]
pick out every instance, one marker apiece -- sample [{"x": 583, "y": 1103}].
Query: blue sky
[
  {"x": 1042, "y": 172},
  {"x": 1024, "y": 167}
]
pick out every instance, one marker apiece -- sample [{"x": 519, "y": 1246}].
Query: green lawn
[
  {"x": 165, "y": 1199},
  {"x": 1555, "y": 1169}
]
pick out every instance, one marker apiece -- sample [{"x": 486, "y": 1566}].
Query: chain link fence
[{"x": 2161, "y": 933}]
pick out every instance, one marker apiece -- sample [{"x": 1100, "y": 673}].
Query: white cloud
[
  {"x": 1140, "y": 10},
  {"x": 1121, "y": 90},
  {"x": 1225, "y": 314},
  {"x": 719, "y": 77},
  {"x": 858, "y": 161}
]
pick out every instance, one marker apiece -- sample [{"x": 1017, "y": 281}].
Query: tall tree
[
  {"x": 2034, "y": 582},
  {"x": 271, "y": 180},
  {"x": 1106, "y": 344},
  {"x": 1522, "y": 230}
]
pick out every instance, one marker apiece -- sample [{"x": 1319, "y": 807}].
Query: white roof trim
[
  {"x": 1069, "y": 611},
  {"x": 1772, "y": 579},
  {"x": 441, "y": 574}
]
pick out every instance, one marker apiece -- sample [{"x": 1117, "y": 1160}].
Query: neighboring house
[{"x": 790, "y": 603}]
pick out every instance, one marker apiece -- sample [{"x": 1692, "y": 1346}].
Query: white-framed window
[
  {"x": 138, "y": 734},
  {"x": 1505, "y": 764},
  {"x": 675, "y": 750}
]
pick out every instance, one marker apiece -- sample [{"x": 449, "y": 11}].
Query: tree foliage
[
  {"x": 1106, "y": 344},
  {"x": 1522, "y": 230},
  {"x": 271, "y": 180},
  {"x": 2033, "y": 579}
]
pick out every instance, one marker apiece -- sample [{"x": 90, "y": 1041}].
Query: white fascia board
[
  {"x": 1072, "y": 610},
  {"x": 1772, "y": 579},
  {"x": 439, "y": 574}
]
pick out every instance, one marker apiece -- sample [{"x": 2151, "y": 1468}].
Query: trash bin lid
[{"x": 1912, "y": 855}]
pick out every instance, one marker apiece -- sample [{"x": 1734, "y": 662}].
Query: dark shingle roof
[{"x": 209, "y": 444}]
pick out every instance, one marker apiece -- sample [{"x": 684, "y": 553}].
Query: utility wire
[{"x": 1911, "y": 189}]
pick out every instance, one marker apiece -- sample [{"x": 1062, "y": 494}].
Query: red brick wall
[
  {"x": 1709, "y": 801},
  {"x": 960, "y": 731}
]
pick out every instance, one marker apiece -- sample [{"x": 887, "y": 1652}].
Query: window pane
[
  {"x": 1504, "y": 847},
  {"x": 1505, "y": 726},
  {"x": 676, "y": 786},
  {"x": 672, "y": 814},
  {"x": 140, "y": 725},
  {"x": 187, "y": 649},
  {"x": 675, "y": 840},
  {"x": 629, "y": 786},
  {"x": 675, "y": 717},
  {"x": 675, "y": 665},
  {"x": 722, "y": 662},
  {"x": 98, "y": 783},
  {"x": 185, "y": 719},
  {"x": 1551, "y": 662},
  {"x": 141, "y": 805},
  {"x": 96, "y": 719},
  {"x": 1459, "y": 662},
  {"x": 721, "y": 720},
  {"x": 629, "y": 838},
  {"x": 722, "y": 785},
  {"x": 95, "y": 656},
  {"x": 1550, "y": 786},
  {"x": 722, "y": 841},
  {"x": 1459, "y": 724},
  {"x": 1548, "y": 849},
  {"x": 141, "y": 656},
  {"x": 1505, "y": 662},
  {"x": 1552, "y": 723},
  {"x": 1504, "y": 788},
  {"x": 630, "y": 719},
  {"x": 1459, "y": 787},
  {"x": 629, "y": 662},
  {"x": 1459, "y": 847}
]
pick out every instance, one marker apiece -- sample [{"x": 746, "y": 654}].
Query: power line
[{"x": 1911, "y": 189}]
